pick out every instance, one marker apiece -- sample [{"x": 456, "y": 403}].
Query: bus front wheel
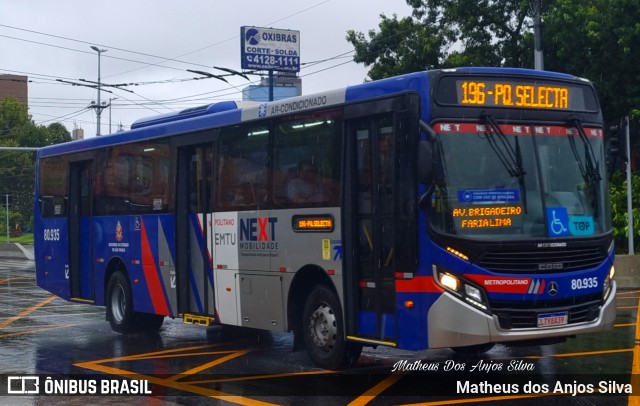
[{"x": 323, "y": 331}]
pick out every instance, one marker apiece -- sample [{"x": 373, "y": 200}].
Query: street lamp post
[
  {"x": 110, "y": 99},
  {"x": 99, "y": 106}
]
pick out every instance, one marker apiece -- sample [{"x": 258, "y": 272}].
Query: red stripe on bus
[
  {"x": 518, "y": 129},
  {"x": 419, "y": 284},
  {"x": 499, "y": 284},
  {"x": 151, "y": 275},
  {"x": 541, "y": 291}
]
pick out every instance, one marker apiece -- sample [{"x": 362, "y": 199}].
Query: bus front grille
[
  {"x": 518, "y": 314},
  {"x": 542, "y": 261}
]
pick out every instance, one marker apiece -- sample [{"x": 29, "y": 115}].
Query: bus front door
[
  {"x": 373, "y": 232},
  {"x": 194, "y": 265},
  {"x": 80, "y": 232}
]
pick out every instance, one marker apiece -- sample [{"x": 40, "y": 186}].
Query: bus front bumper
[{"x": 453, "y": 323}]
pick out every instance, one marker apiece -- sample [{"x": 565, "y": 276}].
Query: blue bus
[{"x": 450, "y": 208}]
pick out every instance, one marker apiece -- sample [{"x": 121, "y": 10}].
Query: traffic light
[{"x": 616, "y": 145}]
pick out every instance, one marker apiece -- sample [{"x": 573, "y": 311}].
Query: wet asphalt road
[{"x": 44, "y": 337}]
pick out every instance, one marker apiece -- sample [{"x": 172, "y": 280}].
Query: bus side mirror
[{"x": 425, "y": 162}]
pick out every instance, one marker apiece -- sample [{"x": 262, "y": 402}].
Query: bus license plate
[{"x": 553, "y": 319}]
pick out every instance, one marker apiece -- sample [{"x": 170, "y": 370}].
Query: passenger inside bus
[{"x": 307, "y": 186}]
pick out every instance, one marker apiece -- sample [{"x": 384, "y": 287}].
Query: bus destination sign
[
  {"x": 270, "y": 49},
  {"x": 510, "y": 94},
  {"x": 520, "y": 93}
]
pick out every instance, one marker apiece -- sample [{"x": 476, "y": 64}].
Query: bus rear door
[
  {"x": 80, "y": 232},
  {"x": 193, "y": 208}
]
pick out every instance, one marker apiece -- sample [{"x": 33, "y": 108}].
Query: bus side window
[
  {"x": 242, "y": 170},
  {"x": 133, "y": 179},
  {"x": 53, "y": 186},
  {"x": 307, "y": 169}
]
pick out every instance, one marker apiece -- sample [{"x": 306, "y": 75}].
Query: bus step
[{"x": 200, "y": 320}]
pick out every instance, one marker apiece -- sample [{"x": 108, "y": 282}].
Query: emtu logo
[
  {"x": 258, "y": 229},
  {"x": 252, "y": 36}
]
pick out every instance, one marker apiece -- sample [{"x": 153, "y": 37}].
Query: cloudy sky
[{"x": 151, "y": 43}]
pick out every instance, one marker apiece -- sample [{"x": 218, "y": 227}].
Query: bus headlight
[
  {"x": 449, "y": 281},
  {"x": 461, "y": 288}
]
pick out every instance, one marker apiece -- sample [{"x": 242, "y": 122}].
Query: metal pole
[
  {"x": 6, "y": 196},
  {"x": 270, "y": 85},
  {"x": 537, "y": 36},
  {"x": 629, "y": 202},
  {"x": 99, "y": 106},
  {"x": 110, "y": 99}
]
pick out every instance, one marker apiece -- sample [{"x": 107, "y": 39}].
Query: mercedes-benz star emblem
[{"x": 553, "y": 288}]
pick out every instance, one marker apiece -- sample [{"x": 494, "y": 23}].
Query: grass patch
[{"x": 26, "y": 238}]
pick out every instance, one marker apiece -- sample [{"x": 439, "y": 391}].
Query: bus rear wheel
[
  {"x": 119, "y": 304},
  {"x": 120, "y": 312},
  {"x": 323, "y": 331}
]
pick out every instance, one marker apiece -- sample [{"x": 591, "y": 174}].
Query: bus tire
[
  {"x": 323, "y": 331},
  {"x": 119, "y": 303},
  {"x": 148, "y": 323}
]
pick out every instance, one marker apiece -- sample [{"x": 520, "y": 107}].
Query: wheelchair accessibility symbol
[{"x": 557, "y": 222}]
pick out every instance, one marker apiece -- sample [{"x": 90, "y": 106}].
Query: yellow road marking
[
  {"x": 270, "y": 376},
  {"x": 19, "y": 333},
  {"x": 628, "y": 293},
  {"x": 208, "y": 365},
  {"x": 635, "y": 366},
  {"x": 172, "y": 382},
  {"x": 159, "y": 354},
  {"x": 26, "y": 311},
  {"x": 14, "y": 278},
  {"x": 479, "y": 400},
  {"x": 183, "y": 386},
  {"x": 372, "y": 393},
  {"x": 367, "y": 397},
  {"x": 581, "y": 354}
]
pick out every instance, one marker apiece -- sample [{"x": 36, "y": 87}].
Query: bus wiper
[
  {"x": 510, "y": 157},
  {"x": 590, "y": 170}
]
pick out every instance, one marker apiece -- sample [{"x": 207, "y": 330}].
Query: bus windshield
[{"x": 496, "y": 181}]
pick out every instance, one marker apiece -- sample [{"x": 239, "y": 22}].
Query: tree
[
  {"x": 13, "y": 114},
  {"x": 598, "y": 40},
  {"x": 595, "y": 39},
  {"x": 448, "y": 33},
  {"x": 17, "y": 169},
  {"x": 619, "y": 218},
  {"x": 58, "y": 134}
]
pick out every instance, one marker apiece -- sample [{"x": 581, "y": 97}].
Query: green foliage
[
  {"x": 17, "y": 169},
  {"x": 447, "y": 33},
  {"x": 595, "y": 39},
  {"x": 598, "y": 40},
  {"x": 618, "y": 198}
]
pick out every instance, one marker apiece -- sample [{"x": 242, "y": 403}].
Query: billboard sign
[{"x": 270, "y": 49}]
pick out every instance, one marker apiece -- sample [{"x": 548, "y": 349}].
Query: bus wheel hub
[{"x": 323, "y": 327}]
